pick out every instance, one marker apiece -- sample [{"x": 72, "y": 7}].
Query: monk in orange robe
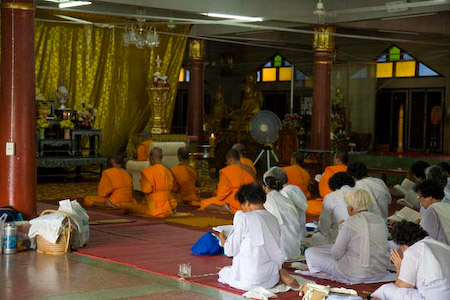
[
  {"x": 143, "y": 149},
  {"x": 115, "y": 187},
  {"x": 340, "y": 165},
  {"x": 186, "y": 177},
  {"x": 240, "y": 148},
  {"x": 231, "y": 178},
  {"x": 297, "y": 175},
  {"x": 159, "y": 184}
]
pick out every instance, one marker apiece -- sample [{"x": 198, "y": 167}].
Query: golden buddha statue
[{"x": 220, "y": 111}]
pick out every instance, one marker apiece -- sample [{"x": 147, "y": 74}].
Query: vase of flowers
[
  {"x": 41, "y": 124},
  {"x": 86, "y": 115},
  {"x": 67, "y": 125}
]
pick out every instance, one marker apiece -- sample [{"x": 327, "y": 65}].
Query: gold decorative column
[
  {"x": 321, "y": 108},
  {"x": 401, "y": 121},
  {"x": 196, "y": 92}
]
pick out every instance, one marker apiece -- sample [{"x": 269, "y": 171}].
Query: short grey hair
[
  {"x": 358, "y": 199},
  {"x": 278, "y": 173},
  {"x": 436, "y": 173}
]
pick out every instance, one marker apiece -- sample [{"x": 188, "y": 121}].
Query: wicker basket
[{"x": 63, "y": 242}]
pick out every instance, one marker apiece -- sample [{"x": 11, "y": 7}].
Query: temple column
[
  {"x": 321, "y": 108},
  {"x": 18, "y": 108},
  {"x": 196, "y": 92}
]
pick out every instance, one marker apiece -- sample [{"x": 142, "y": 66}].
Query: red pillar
[
  {"x": 321, "y": 108},
  {"x": 17, "y": 107},
  {"x": 196, "y": 91}
]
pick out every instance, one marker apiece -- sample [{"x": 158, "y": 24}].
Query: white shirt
[
  {"x": 437, "y": 225},
  {"x": 379, "y": 193},
  {"x": 254, "y": 244},
  {"x": 284, "y": 210},
  {"x": 296, "y": 195}
]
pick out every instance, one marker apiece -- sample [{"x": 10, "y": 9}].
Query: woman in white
[
  {"x": 334, "y": 210},
  {"x": 423, "y": 269},
  {"x": 436, "y": 213},
  {"x": 254, "y": 244},
  {"x": 284, "y": 210},
  {"x": 361, "y": 249}
]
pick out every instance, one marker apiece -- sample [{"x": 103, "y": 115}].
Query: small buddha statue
[
  {"x": 220, "y": 111},
  {"x": 250, "y": 106}
]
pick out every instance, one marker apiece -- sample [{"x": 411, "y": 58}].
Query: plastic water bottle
[{"x": 10, "y": 239}]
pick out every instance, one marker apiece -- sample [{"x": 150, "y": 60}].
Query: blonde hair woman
[{"x": 360, "y": 252}]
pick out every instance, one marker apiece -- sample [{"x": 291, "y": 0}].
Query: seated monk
[
  {"x": 144, "y": 148},
  {"x": 340, "y": 165},
  {"x": 231, "y": 178},
  {"x": 158, "y": 183},
  {"x": 115, "y": 187},
  {"x": 186, "y": 177},
  {"x": 240, "y": 148},
  {"x": 297, "y": 175}
]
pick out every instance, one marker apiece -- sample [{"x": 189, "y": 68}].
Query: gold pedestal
[{"x": 157, "y": 124}]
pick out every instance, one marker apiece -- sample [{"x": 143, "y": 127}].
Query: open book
[
  {"x": 407, "y": 214},
  {"x": 410, "y": 200},
  {"x": 406, "y": 186},
  {"x": 226, "y": 228}
]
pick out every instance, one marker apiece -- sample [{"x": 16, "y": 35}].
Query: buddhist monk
[
  {"x": 186, "y": 178},
  {"x": 297, "y": 175},
  {"x": 144, "y": 148},
  {"x": 240, "y": 148},
  {"x": 115, "y": 187},
  {"x": 231, "y": 178},
  {"x": 159, "y": 184},
  {"x": 340, "y": 165}
]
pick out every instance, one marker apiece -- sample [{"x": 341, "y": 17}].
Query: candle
[{"x": 212, "y": 140}]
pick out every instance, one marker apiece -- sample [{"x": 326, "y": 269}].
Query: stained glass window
[
  {"x": 394, "y": 53},
  {"x": 269, "y": 74},
  {"x": 405, "y": 68},
  {"x": 277, "y": 61},
  {"x": 184, "y": 75},
  {"x": 426, "y": 71},
  {"x": 285, "y": 74},
  {"x": 276, "y": 69},
  {"x": 181, "y": 76},
  {"x": 384, "y": 70}
]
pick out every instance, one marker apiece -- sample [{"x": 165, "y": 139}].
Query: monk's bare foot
[
  {"x": 109, "y": 204},
  {"x": 226, "y": 208},
  {"x": 288, "y": 280}
]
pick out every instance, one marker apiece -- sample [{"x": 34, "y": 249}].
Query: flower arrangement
[
  {"x": 42, "y": 123},
  {"x": 67, "y": 124},
  {"x": 86, "y": 115},
  {"x": 338, "y": 120},
  {"x": 294, "y": 121}
]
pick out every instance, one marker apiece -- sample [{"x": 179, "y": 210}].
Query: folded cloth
[
  {"x": 388, "y": 277},
  {"x": 48, "y": 226},
  {"x": 265, "y": 294}
]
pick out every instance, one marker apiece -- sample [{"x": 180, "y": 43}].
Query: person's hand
[
  {"x": 341, "y": 221},
  {"x": 396, "y": 259},
  {"x": 222, "y": 237}
]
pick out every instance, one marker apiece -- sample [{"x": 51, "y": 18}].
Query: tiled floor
[{"x": 29, "y": 275}]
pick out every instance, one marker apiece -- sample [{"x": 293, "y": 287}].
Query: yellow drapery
[{"x": 97, "y": 69}]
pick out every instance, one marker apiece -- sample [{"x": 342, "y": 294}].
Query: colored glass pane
[
  {"x": 287, "y": 64},
  {"x": 384, "y": 70},
  {"x": 268, "y": 64},
  {"x": 277, "y": 61},
  {"x": 361, "y": 73},
  {"x": 188, "y": 75},
  {"x": 382, "y": 58},
  {"x": 394, "y": 53},
  {"x": 181, "y": 76},
  {"x": 406, "y": 56},
  {"x": 299, "y": 75},
  {"x": 269, "y": 74},
  {"x": 426, "y": 71},
  {"x": 258, "y": 76},
  {"x": 405, "y": 68},
  {"x": 285, "y": 74}
]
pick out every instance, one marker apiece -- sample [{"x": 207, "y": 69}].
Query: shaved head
[
  {"x": 298, "y": 158},
  {"x": 233, "y": 155},
  {"x": 240, "y": 148},
  {"x": 156, "y": 154},
  {"x": 183, "y": 153}
]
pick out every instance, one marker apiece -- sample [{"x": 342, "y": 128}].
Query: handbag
[{"x": 207, "y": 244}]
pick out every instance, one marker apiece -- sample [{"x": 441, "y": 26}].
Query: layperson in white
[
  {"x": 438, "y": 174},
  {"x": 361, "y": 249},
  {"x": 254, "y": 244},
  {"x": 436, "y": 216},
  {"x": 378, "y": 190},
  {"x": 334, "y": 210},
  {"x": 284, "y": 210},
  {"x": 424, "y": 269}
]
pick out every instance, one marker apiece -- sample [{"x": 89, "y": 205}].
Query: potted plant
[
  {"x": 41, "y": 124},
  {"x": 67, "y": 125}
]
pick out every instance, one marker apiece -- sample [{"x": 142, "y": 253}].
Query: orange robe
[
  {"x": 143, "y": 150},
  {"x": 158, "y": 183},
  {"x": 187, "y": 179},
  {"x": 231, "y": 178},
  {"x": 315, "y": 206},
  {"x": 299, "y": 177},
  {"x": 248, "y": 163},
  {"x": 115, "y": 185}
]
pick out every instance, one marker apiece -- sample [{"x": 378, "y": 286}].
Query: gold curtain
[{"x": 97, "y": 69}]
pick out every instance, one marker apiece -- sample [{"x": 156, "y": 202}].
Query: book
[
  {"x": 405, "y": 186},
  {"x": 407, "y": 214},
  {"x": 226, "y": 228},
  {"x": 409, "y": 200}
]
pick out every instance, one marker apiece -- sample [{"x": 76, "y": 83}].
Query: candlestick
[{"x": 212, "y": 144}]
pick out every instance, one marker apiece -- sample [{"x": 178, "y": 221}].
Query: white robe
[
  {"x": 379, "y": 193},
  {"x": 426, "y": 266},
  {"x": 436, "y": 221},
  {"x": 254, "y": 244},
  {"x": 334, "y": 209},
  {"x": 296, "y": 195},
  {"x": 284, "y": 210}
]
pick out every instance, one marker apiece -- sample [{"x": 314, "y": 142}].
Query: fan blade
[{"x": 73, "y": 19}]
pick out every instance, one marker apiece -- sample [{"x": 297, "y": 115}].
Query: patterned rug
[{"x": 200, "y": 221}]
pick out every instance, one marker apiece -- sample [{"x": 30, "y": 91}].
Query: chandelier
[{"x": 140, "y": 36}]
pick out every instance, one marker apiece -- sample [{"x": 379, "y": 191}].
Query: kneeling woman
[
  {"x": 254, "y": 244},
  {"x": 361, "y": 249},
  {"x": 424, "y": 270}
]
